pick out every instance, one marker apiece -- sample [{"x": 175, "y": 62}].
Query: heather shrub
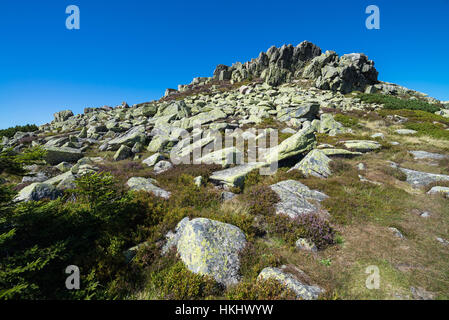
[
  {"x": 255, "y": 257},
  {"x": 177, "y": 282},
  {"x": 317, "y": 229},
  {"x": 267, "y": 289},
  {"x": 261, "y": 200}
]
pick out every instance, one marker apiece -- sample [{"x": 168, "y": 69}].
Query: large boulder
[
  {"x": 38, "y": 191},
  {"x": 210, "y": 247},
  {"x": 296, "y": 198},
  {"x": 56, "y": 155},
  {"x": 315, "y": 163},
  {"x": 62, "y": 116},
  {"x": 129, "y": 138},
  {"x": 302, "y": 141}
]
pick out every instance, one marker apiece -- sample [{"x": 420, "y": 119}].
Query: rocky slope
[{"x": 300, "y": 93}]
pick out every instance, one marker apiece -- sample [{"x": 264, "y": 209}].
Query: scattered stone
[
  {"x": 362, "y": 145},
  {"x": 162, "y": 166},
  {"x": 152, "y": 160},
  {"x": 143, "y": 184},
  {"x": 289, "y": 280},
  {"x": 405, "y": 131},
  {"x": 396, "y": 233},
  {"x": 64, "y": 166},
  {"x": 439, "y": 190},
  {"x": 443, "y": 241},
  {"x": 425, "y": 214},
  {"x": 306, "y": 245},
  {"x": 419, "y": 178},
  {"x": 419, "y": 155},
  {"x": 419, "y": 293},
  {"x": 226, "y": 195},
  {"x": 331, "y": 152},
  {"x": 378, "y": 135},
  {"x": 198, "y": 181},
  {"x": 235, "y": 176},
  {"x": 361, "y": 166}
]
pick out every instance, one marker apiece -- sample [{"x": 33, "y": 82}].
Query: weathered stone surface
[
  {"x": 56, "y": 155},
  {"x": 439, "y": 190},
  {"x": 289, "y": 280},
  {"x": 235, "y": 176},
  {"x": 405, "y": 131},
  {"x": 153, "y": 159},
  {"x": 315, "y": 163},
  {"x": 302, "y": 141},
  {"x": 212, "y": 248},
  {"x": 418, "y": 155},
  {"x": 306, "y": 245},
  {"x": 63, "y": 115},
  {"x": 129, "y": 138},
  {"x": 419, "y": 178},
  {"x": 123, "y": 153},
  {"x": 330, "y": 126},
  {"x": 162, "y": 166},
  {"x": 362, "y": 145},
  {"x": 296, "y": 198},
  {"x": 332, "y": 152},
  {"x": 38, "y": 191},
  {"x": 224, "y": 157},
  {"x": 143, "y": 184}
]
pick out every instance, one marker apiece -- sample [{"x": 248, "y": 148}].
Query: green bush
[
  {"x": 347, "y": 121},
  {"x": 395, "y": 103}
]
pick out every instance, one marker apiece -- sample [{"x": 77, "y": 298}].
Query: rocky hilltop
[{"x": 353, "y": 160}]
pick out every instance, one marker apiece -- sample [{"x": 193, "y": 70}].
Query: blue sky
[{"x": 132, "y": 50}]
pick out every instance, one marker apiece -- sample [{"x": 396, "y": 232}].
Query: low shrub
[
  {"x": 395, "y": 103},
  {"x": 267, "y": 289},
  {"x": 10, "y": 132}
]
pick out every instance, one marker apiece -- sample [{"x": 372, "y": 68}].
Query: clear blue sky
[{"x": 132, "y": 50}]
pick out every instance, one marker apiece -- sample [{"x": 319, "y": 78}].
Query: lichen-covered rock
[
  {"x": 38, "y": 191},
  {"x": 143, "y": 184},
  {"x": 212, "y": 248},
  {"x": 56, "y": 155},
  {"x": 129, "y": 138},
  {"x": 302, "y": 141},
  {"x": 152, "y": 160},
  {"x": 123, "y": 153},
  {"x": 63, "y": 115},
  {"x": 335, "y": 152},
  {"x": 330, "y": 126},
  {"x": 306, "y": 245},
  {"x": 362, "y": 145},
  {"x": 296, "y": 198},
  {"x": 419, "y": 155},
  {"x": 419, "y": 178},
  {"x": 224, "y": 157},
  {"x": 162, "y": 166},
  {"x": 291, "y": 281},
  {"x": 315, "y": 163},
  {"x": 235, "y": 176}
]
